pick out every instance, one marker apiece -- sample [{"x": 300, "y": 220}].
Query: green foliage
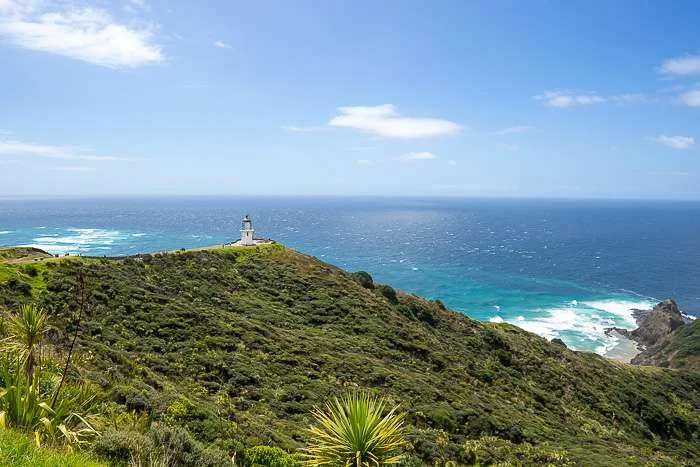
[
  {"x": 363, "y": 278},
  {"x": 25, "y": 330},
  {"x": 178, "y": 410},
  {"x": 162, "y": 445},
  {"x": 256, "y": 337},
  {"x": 355, "y": 430},
  {"x": 19, "y": 450},
  {"x": 25, "y": 403},
  {"x": 389, "y": 293},
  {"x": 268, "y": 456},
  {"x": 490, "y": 450}
]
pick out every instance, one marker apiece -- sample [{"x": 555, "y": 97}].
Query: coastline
[{"x": 624, "y": 351}]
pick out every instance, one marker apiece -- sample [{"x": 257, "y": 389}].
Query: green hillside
[{"x": 239, "y": 344}]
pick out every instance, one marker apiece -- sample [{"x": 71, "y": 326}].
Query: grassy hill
[{"x": 238, "y": 344}]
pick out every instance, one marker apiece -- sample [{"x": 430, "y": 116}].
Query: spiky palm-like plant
[
  {"x": 25, "y": 330},
  {"x": 354, "y": 431}
]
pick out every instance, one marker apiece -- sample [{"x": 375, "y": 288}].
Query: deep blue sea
[{"x": 563, "y": 269}]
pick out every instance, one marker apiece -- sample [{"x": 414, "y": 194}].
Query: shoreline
[{"x": 623, "y": 351}]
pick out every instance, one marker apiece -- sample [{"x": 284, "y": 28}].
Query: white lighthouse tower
[{"x": 247, "y": 231}]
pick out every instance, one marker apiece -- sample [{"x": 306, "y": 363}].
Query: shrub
[
  {"x": 268, "y": 456},
  {"x": 162, "y": 445},
  {"x": 178, "y": 410},
  {"x": 363, "y": 278},
  {"x": 491, "y": 450},
  {"x": 31, "y": 271},
  {"x": 389, "y": 293},
  {"x": 124, "y": 446}
]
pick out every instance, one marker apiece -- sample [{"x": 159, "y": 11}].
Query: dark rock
[{"x": 655, "y": 325}]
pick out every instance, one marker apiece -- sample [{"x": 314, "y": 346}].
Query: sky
[{"x": 576, "y": 99}]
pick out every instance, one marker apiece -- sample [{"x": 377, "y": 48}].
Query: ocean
[{"x": 558, "y": 268}]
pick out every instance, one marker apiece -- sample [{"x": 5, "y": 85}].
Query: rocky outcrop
[
  {"x": 656, "y": 327},
  {"x": 657, "y": 324}
]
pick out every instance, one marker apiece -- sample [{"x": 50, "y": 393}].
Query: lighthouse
[{"x": 247, "y": 231}]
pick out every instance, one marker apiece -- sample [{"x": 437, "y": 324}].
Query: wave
[
  {"x": 78, "y": 241},
  {"x": 4, "y": 232},
  {"x": 581, "y": 324}
]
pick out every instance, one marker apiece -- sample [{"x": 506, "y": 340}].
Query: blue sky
[{"x": 586, "y": 99}]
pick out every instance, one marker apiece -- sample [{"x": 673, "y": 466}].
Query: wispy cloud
[
  {"x": 364, "y": 162},
  {"x": 221, "y": 45},
  {"x": 19, "y": 148},
  {"x": 385, "y": 120},
  {"x": 691, "y": 98},
  {"x": 675, "y": 142},
  {"x": 682, "y": 66},
  {"x": 88, "y": 34},
  {"x": 74, "y": 168},
  {"x": 562, "y": 99},
  {"x": 304, "y": 129},
  {"x": 514, "y": 129},
  {"x": 417, "y": 156}
]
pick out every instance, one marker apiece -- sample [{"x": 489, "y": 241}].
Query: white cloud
[
  {"x": 304, "y": 129},
  {"x": 364, "y": 162},
  {"x": 691, "y": 98},
  {"x": 74, "y": 168},
  {"x": 564, "y": 99},
  {"x": 682, "y": 66},
  {"x": 384, "y": 120},
  {"x": 514, "y": 129},
  {"x": 19, "y": 148},
  {"x": 221, "y": 45},
  {"x": 675, "y": 142},
  {"x": 86, "y": 34},
  {"x": 417, "y": 156}
]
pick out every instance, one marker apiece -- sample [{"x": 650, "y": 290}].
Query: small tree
[
  {"x": 25, "y": 330},
  {"x": 354, "y": 431}
]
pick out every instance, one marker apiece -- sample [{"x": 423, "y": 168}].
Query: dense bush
[
  {"x": 161, "y": 445},
  {"x": 388, "y": 292},
  {"x": 257, "y": 338},
  {"x": 363, "y": 278},
  {"x": 268, "y": 456}
]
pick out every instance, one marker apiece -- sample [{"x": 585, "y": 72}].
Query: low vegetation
[{"x": 221, "y": 355}]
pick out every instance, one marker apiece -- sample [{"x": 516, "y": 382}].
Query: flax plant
[{"x": 355, "y": 431}]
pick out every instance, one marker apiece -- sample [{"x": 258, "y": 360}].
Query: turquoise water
[{"x": 564, "y": 269}]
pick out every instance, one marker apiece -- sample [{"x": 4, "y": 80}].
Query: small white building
[{"x": 247, "y": 231}]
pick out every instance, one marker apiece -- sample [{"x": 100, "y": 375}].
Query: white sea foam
[
  {"x": 4, "y": 232},
  {"x": 496, "y": 319},
  {"x": 138, "y": 234},
  {"x": 621, "y": 308},
  {"x": 497, "y": 307},
  {"x": 78, "y": 241},
  {"x": 582, "y": 324}
]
